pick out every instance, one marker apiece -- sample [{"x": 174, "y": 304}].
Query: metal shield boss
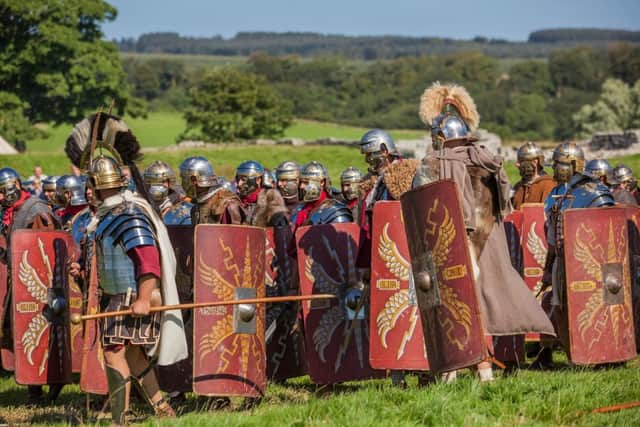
[
  {"x": 178, "y": 377},
  {"x": 228, "y": 341},
  {"x": 396, "y": 338},
  {"x": 336, "y": 330},
  {"x": 93, "y": 376},
  {"x": 40, "y": 307},
  {"x": 443, "y": 275},
  {"x": 598, "y": 286},
  {"x": 286, "y": 356}
]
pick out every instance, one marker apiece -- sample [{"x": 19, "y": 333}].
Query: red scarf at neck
[
  {"x": 250, "y": 199},
  {"x": 308, "y": 207},
  {"x": 7, "y": 218}
]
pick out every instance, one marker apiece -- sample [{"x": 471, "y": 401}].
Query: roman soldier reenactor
[
  {"x": 535, "y": 184},
  {"x": 623, "y": 175},
  {"x": 163, "y": 190},
  {"x": 287, "y": 178},
  {"x": 70, "y": 194},
  {"x": 350, "y": 189}
]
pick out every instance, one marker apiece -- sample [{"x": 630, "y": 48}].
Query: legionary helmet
[
  {"x": 314, "y": 176},
  {"x": 197, "y": 167},
  {"x": 49, "y": 183},
  {"x": 9, "y": 186},
  {"x": 377, "y": 145},
  {"x": 624, "y": 175},
  {"x": 351, "y": 176},
  {"x": 568, "y": 159},
  {"x": 74, "y": 186},
  {"x": 450, "y": 113},
  {"x": 249, "y": 171},
  {"x": 158, "y": 176},
  {"x": 598, "y": 169},
  {"x": 527, "y": 155},
  {"x": 287, "y": 176},
  {"x": 269, "y": 179},
  {"x": 105, "y": 173}
]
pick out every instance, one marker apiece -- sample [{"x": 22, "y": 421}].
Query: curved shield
[
  {"x": 41, "y": 332},
  {"x": 598, "y": 286},
  {"x": 286, "y": 356},
  {"x": 396, "y": 339},
  {"x": 336, "y": 335},
  {"x": 93, "y": 376},
  {"x": 179, "y": 376},
  {"x": 443, "y": 274},
  {"x": 228, "y": 341},
  {"x": 534, "y": 250}
]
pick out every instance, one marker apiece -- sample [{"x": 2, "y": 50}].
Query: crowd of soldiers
[{"x": 120, "y": 226}]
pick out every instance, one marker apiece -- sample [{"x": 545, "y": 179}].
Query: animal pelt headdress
[
  {"x": 448, "y": 99},
  {"x": 112, "y": 134}
]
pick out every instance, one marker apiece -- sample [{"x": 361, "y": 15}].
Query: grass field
[
  {"x": 161, "y": 129},
  {"x": 565, "y": 396}
]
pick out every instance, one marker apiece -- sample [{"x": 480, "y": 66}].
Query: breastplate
[{"x": 115, "y": 268}]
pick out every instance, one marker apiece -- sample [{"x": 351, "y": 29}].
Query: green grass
[
  {"x": 161, "y": 129},
  {"x": 565, "y": 396},
  {"x": 190, "y": 62}
]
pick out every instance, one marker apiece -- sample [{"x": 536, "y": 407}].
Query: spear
[{"x": 77, "y": 318}]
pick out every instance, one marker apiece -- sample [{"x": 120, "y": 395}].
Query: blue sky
[{"x": 462, "y": 19}]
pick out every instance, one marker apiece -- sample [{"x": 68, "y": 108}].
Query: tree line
[
  {"x": 540, "y": 44},
  {"x": 531, "y": 99}
]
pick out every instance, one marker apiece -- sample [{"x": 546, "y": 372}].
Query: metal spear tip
[{"x": 76, "y": 318}]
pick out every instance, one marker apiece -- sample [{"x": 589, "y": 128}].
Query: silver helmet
[
  {"x": 269, "y": 179},
  {"x": 527, "y": 155},
  {"x": 9, "y": 186},
  {"x": 247, "y": 175},
  {"x": 70, "y": 189},
  {"x": 197, "y": 167},
  {"x": 447, "y": 127},
  {"x": 624, "y": 176},
  {"x": 158, "y": 177},
  {"x": 377, "y": 145},
  {"x": 313, "y": 180},
  {"x": 568, "y": 159},
  {"x": 287, "y": 177},
  {"x": 598, "y": 169},
  {"x": 350, "y": 182},
  {"x": 49, "y": 183}
]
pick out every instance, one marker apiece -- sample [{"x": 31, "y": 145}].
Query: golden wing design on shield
[
  {"x": 218, "y": 284},
  {"x": 32, "y": 336},
  {"x": 222, "y": 329},
  {"x": 322, "y": 281},
  {"x": 327, "y": 326},
  {"x": 446, "y": 234},
  {"x": 388, "y": 316},
  {"x": 393, "y": 259},
  {"x": 589, "y": 314},
  {"x": 460, "y": 312},
  {"x": 29, "y": 277},
  {"x": 536, "y": 246},
  {"x": 583, "y": 254}
]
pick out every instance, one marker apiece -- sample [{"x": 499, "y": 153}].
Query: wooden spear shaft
[{"x": 77, "y": 318}]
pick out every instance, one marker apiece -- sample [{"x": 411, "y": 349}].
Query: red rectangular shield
[
  {"x": 93, "y": 377},
  {"x": 41, "y": 334},
  {"x": 228, "y": 341},
  {"x": 443, "y": 274},
  {"x": 337, "y": 347},
  {"x": 598, "y": 286},
  {"x": 178, "y": 377},
  {"x": 534, "y": 250},
  {"x": 286, "y": 357},
  {"x": 396, "y": 338},
  {"x": 75, "y": 307}
]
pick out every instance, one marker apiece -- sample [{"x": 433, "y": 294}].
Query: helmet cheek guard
[{"x": 311, "y": 192}]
